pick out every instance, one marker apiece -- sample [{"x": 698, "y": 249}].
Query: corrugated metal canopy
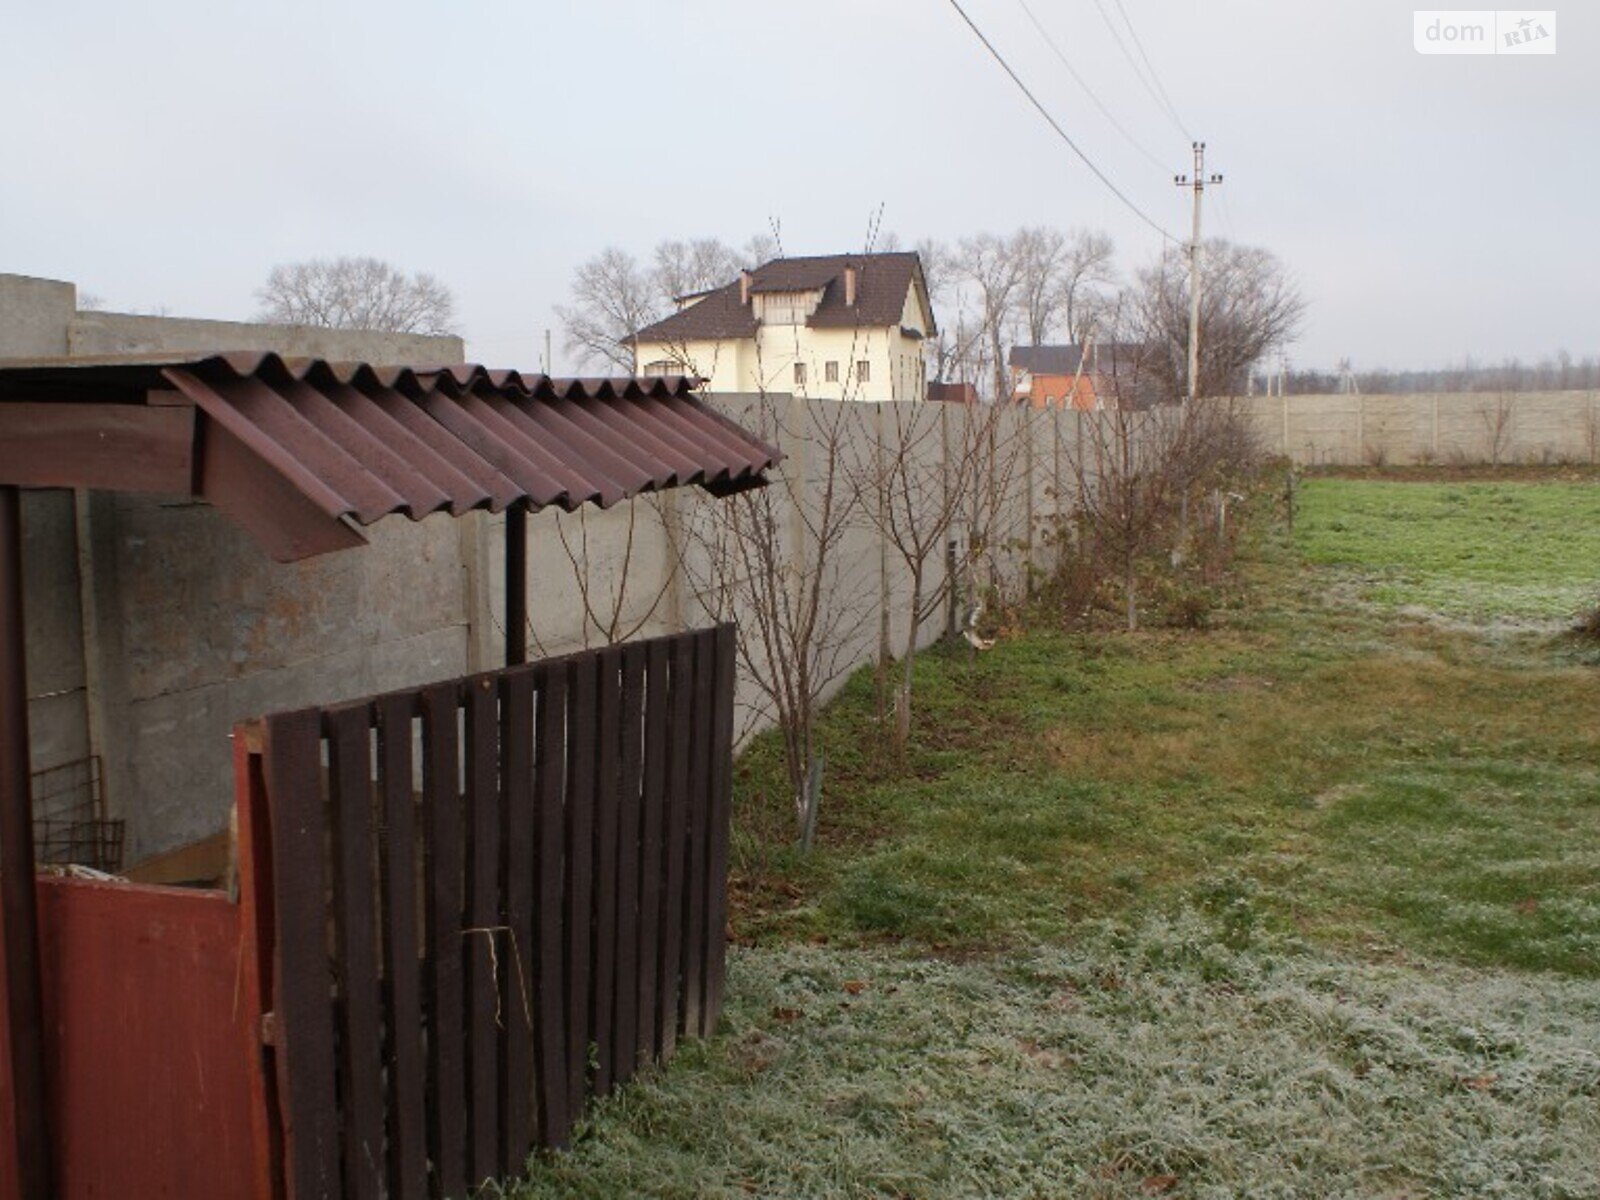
[{"x": 356, "y": 442}]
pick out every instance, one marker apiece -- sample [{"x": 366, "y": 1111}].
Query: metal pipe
[
  {"x": 24, "y": 1007},
  {"x": 516, "y": 585}
]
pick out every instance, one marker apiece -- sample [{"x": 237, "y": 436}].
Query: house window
[
  {"x": 864, "y": 371},
  {"x": 662, "y": 366},
  {"x": 830, "y": 372},
  {"x": 800, "y": 372}
]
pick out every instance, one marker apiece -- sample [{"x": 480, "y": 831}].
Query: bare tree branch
[{"x": 356, "y": 293}]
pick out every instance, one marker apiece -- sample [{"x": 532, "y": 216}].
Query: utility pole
[{"x": 1197, "y": 184}]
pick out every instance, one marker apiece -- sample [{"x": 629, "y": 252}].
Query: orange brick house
[{"x": 1067, "y": 377}]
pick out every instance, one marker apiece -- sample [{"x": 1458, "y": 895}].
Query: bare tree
[
  {"x": 990, "y": 266},
  {"x": 1086, "y": 276},
  {"x": 1062, "y": 276},
  {"x": 612, "y": 297},
  {"x": 356, "y": 293},
  {"x": 760, "y": 248},
  {"x": 915, "y": 494},
  {"x": 1498, "y": 416},
  {"x": 617, "y": 600},
  {"x": 686, "y": 268},
  {"x": 773, "y": 558},
  {"x": 1248, "y": 305}
]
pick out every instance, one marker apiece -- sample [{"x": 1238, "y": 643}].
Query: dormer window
[{"x": 785, "y": 308}]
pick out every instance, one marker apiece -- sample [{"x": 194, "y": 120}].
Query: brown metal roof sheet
[{"x": 361, "y": 442}]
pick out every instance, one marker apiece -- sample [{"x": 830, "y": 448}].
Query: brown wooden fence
[{"x": 494, "y": 897}]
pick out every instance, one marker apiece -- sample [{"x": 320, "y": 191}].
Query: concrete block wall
[
  {"x": 1453, "y": 428},
  {"x": 154, "y": 625}
]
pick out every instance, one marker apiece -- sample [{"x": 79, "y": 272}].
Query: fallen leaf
[
  {"x": 1526, "y": 905},
  {"x": 1155, "y": 1185},
  {"x": 854, "y": 986},
  {"x": 1480, "y": 1083},
  {"x": 786, "y": 1015}
]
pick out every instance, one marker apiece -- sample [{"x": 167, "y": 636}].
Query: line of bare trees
[
  {"x": 1559, "y": 372},
  {"x": 1032, "y": 287}
]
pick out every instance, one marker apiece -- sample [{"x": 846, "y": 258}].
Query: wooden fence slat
[
  {"x": 307, "y": 1072},
  {"x": 721, "y": 817},
  {"x": 402, "y": 942},
  {"x": 669, "y": 980},
  {"x": 703, "y": 649},
  {"x": 459, "y": 940},
  {"x": 625, "y": 1026},
  {"x": 516, "y": 746},
  {"x": 579, "y": 906},
  {"x": 550, "y": 994},
  {"x": 603, "y": 936},
  {"x": 356, "y": 952},
  {"x": 651, "y": 851},
  {"x": 444, "y": 869},
  {"x": 484, "y": 943}
]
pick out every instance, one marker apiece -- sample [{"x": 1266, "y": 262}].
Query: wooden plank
[
  {"x": 625, "y": 1018},
  {"x": 252, "y": 993},
  {"x": 204, "y": 862},
  {"x": 402, "y": 945},
  {"x": 724, "y": 688},
  {"x": 578, "y": 906},
  {"x": 703, "y": 652},
  {"x": 484, "y": 942},
  {"x": 115, "y": 447},
  {"x": 356, "y": 951},
  {"x": 603, "y": 937},
  {"x": 669, "y": 980},
  {"x": 444, "y": 867},
  {"x": 550, "y": 996},
  {"x": 516, "y": 749},
  {"x": 658, "y": 712},
  {"x": 305, "y": 1051}
]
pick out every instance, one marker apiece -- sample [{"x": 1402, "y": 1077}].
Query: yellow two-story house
[{"x": 838, "y": 326}]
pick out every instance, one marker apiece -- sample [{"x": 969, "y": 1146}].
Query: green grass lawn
[
  {"x": 1308, "y": 904},
  {"x": 1472, "y": 549}
]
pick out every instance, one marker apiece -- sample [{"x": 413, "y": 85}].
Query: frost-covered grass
[
  {"x": 1373, "y": 784},
  {"x": 1152, "y": 1062},
  {"x": 1306, "y": 905},
  {"x": 1479, "y": 550}
]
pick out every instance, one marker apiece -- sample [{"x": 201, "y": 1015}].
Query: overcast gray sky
[{"x": 166, "y": 155}]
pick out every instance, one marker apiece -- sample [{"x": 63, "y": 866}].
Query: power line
[
  {"x": 1154, "y": 74},
  {"x": 1055, "y": 125},
  {"x": 1138, "y": 71},
  {"x": 1088, "y": 91},
  {"x": 1227, "y": 215}
]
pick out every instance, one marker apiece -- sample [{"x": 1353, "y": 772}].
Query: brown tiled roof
[
  {"x": 1047, "y": 360},
  {"x": 355, "y": 442},
  {"x": 1106, "y": 358},
  {"x": 881, "y": 285}
]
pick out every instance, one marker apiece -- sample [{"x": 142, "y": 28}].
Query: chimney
[
  {"x": 744, "y": 287},
  {"x": 850, "y": 285}
]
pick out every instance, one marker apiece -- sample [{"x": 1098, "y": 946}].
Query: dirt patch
[{"x": 1335, "y": 795}]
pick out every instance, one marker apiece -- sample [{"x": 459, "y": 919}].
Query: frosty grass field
[{"x": 1307, "y": 904}]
